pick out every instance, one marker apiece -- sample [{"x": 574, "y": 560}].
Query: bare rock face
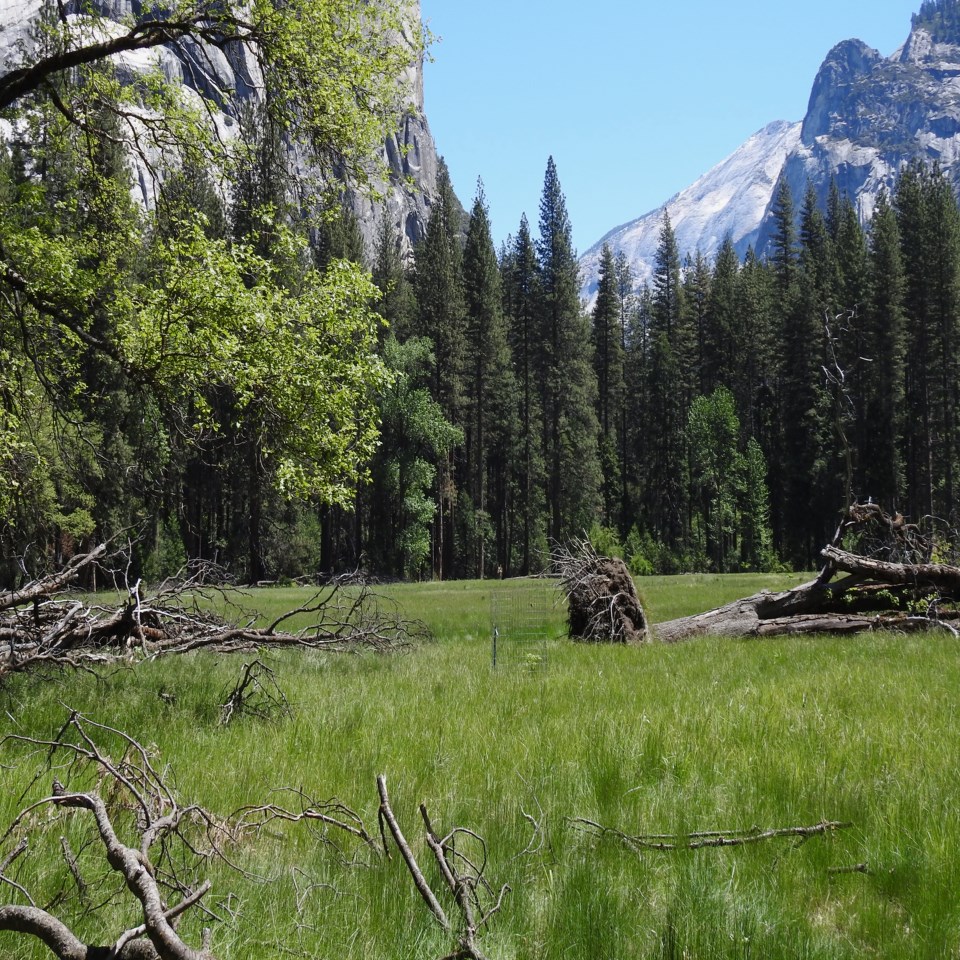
[{"x": 869, "y": 115}]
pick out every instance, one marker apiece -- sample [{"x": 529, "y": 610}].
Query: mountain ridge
[{"x": 867, "y": 116}]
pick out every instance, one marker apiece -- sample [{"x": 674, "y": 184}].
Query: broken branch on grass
[
  {"x": 463, "y": 886},
  {"x": 386, "y": 815},
  {"x": 123, "y": 796},
  {"x": 140, "y": 879},
  {"x": 330, "y": 813},
  {"x": 256, "y": 693},
  {"x": 39, "y": 629},
  {"x": 706, "y": 839},
  {"x": 856, "y": 868}
]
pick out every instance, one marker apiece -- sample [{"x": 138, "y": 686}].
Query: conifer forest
[
  {"x": 717, "y": 418},
  {"x": 230, "y": 373}
]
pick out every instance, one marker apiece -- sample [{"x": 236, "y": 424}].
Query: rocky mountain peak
[
  {"x": 867, "y": 117},
  {"x": 844, "y": 71},
  {"x": 936, "y": 23}
]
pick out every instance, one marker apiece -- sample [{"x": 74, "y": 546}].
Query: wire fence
[{"x": 523, "y": 621}]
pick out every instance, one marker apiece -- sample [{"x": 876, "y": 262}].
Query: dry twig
[
  {"x": 706, "y": 839},
  {"x": 39, "y": 628}
]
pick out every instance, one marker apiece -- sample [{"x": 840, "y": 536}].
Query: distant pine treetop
[{"x": 941, "y": 18}]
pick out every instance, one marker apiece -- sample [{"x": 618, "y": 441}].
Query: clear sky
[{"x": 634, "y": 99}]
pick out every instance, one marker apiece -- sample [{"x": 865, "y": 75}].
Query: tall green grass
[{"x": 715, "y": 734}]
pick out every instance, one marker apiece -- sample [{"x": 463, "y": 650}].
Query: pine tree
[
  {"x": 607, "y": 340},
  {"x": 671, "y": 376},
  {"x": 521, "y": 299},
  {"x": 723, "y": 353},
  {"x": 627, "y": 308},
  {"x": 880, "y": 462},
  {"x": 927, "y": 217},
  {"x": 697, "y": 277},
  {"x": 809, "y": 487},
  {"x": 438, "y": 282},
  {"x": 640, "y": 427},
  {"x": 784, "y": 242},
  {"x": 568, "y": 386},
  {"x": 490, "y": 406},
  {"x": 398, "y": 304}
]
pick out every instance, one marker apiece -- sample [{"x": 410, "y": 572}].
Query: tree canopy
[{"x": 114, "y": 315}]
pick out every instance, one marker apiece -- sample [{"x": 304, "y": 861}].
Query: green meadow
[{"x": 711, "y": 735}]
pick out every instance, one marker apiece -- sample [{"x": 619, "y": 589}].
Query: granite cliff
[{"x": 867, "y": 116}]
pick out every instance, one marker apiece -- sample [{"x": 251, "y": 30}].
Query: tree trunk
[{"x": 874, "y": 594}]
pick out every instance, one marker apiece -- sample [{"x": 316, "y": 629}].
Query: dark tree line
[{"x": 718, "y": 417}]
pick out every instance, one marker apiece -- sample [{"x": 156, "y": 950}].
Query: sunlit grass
[{"x": 713, "y": 734}]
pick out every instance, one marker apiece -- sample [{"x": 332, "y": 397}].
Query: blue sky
[{"x": 634, "y": 100}]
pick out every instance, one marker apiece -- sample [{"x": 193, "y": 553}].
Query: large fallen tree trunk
[{"x": 889, "y": 583}]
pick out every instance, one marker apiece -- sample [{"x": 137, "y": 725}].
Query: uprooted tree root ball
[{"x": 603, "y": 606}]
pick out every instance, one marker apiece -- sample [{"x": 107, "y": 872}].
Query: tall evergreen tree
[
  {"x": 640, "y": 427},
  {"x": 697, "y": 277},
  {"x": 723, "y": 353},
  {"x": 490, "y": 405},
  {"x": 398, "y": 304},
  {"x": 568, "y": 386},
  {"x": 671, "y": 375},
  {"x": 784, "y": 241},
  {"x": 607, "y": 339},
  {"x": 521, "y": 298},
  {"x": 928, "y": 222},
  {"x": 438, "y": 282},
  {"x": 880, "y": 474},
  {"x": 627, "y": 309},
  {"x": 810, "y": 488}
]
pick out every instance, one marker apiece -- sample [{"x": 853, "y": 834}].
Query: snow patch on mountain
[{"x": 731, "y": 198}]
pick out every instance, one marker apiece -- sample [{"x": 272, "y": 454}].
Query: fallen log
[
  {"x": 41, "y": 629},
  {"x": 874, "y": 594}
]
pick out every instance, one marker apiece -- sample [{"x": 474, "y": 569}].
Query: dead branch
[
  {"x": 855, "y": 868},
  {"x": 386, "y": 815},
  {"x": 706, "y": 839},
  {"x": 463, "y": 878},
  {"x": 162, "y": 869},
  {"x": 888, "y": 583},
  {"x": 125, "y": 796},
  {"x": 256, "y": 694},
  {"x": 53, "y": 583},
  {"x": 328, "y": 813},
  {"x": 40, "y": 629}
]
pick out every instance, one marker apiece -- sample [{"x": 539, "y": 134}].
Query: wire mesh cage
[{"x": 524, "y": 617}]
